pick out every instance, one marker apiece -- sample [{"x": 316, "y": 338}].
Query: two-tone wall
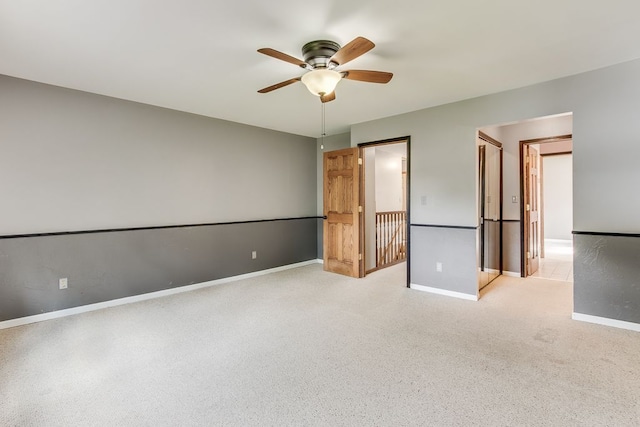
[
  {"x": 180, "y": 198},
  {"x": 606, "y": 142},
  {"x": 76, "y": 162}
]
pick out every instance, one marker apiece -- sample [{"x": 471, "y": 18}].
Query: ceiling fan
[{"x": 321, "y": 57}]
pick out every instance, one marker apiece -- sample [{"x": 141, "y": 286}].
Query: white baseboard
[
  {"x": 511, "y": 274},
  {"x": 143, "y": 297},
  {"x": 320, "y": 261},
  {"x": 606, "y": 321},
  {"x": 444, "y": 292}
]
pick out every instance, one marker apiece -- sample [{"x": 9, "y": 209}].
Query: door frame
[
  {"x": 361, "y": 147},
  {"x": 489, "y": 140},
  {"x": 524, "y": 229}
]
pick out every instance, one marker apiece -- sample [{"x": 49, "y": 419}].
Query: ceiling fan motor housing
[{"x": 319, "y": 52}]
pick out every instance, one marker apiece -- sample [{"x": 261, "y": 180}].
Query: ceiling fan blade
[
  {"x": 282, "y": 56},
  {"x": 279, "y": 85},
  {"x": 352, "y": 50},
  {"x": 367, "y": 76},
  {"x": 329, "y": 97}
]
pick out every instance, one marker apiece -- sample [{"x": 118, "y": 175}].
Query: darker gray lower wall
[
  {"x": 455, "y": 248},
  {"x": 320, "y": 238},
  {"x": 104, "y": 266},
  {"x": 607, "y": 276}
]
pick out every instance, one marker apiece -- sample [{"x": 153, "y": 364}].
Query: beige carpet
[{"x": 304, "y": 347}]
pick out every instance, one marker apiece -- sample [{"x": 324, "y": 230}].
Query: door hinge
[
  {"x": 528, "y": 207},
  {"x": 360, "y": 161},
  {"x": 360, "y": 209},
  {"x": 359, "y": 257},
  {"x": 528, "y": 254}
]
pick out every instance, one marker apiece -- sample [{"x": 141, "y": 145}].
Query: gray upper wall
[
  {"x": 606, "y": 133},
  {"x": 71, "y": 160}
]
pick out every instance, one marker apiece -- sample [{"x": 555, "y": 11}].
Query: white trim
[
  {"x": 320, "y": 261},
  {"x": 143, "y": 297},
  {"x": 511, "y": 274},
  {"x": 606, "y": 321},
  {"x": 444, "y": 292}
]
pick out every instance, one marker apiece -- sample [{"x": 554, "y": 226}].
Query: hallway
[{"x": 558, "y": 261}]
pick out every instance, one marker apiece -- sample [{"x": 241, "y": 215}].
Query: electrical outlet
[
  {"x": 254, "y": 254},
  {"x": 63, "y": 283},
  {"x": 439, "y": 267}
]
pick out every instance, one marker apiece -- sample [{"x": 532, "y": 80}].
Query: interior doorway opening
[
  {"x": 547, "y": 208},
  {"x": 385, "y": 197},
  {"x": 366, "y": 207},
  {"x": 536, "y": 218}
]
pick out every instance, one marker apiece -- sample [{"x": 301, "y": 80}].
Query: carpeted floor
[{"x": 305, "y": 347}]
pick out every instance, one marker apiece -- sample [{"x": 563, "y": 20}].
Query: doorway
[
  {"x": 547, "y": 142},
  {"x": 366, "y": 207},
  {"x": 547, "y": 208},
  {"x": 385, "y": 204}
]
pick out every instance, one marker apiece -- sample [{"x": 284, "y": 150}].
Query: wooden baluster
[
  {"x": 391, "y": 229},
  {"x": 386, "y": 258},
  {"x": 391, "y": 237},
  {"x": 404, "y": 235},
  {"x": 395, "y": 239},
  {"x": 383, "y": 233},
  {"x": 402, "y": 230},
  {"x": 377, "y": 239},
  {"x": 386, "y": 236}
]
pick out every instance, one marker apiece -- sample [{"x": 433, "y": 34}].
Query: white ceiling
[{"x": 200, "y": 55}]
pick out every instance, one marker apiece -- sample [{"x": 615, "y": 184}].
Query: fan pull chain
[{"x": 323, "y": 127}]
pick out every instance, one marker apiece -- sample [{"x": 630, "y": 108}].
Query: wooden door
[
  {"x": 341, "y": 230},
  {"x": 531, "y": 210}
]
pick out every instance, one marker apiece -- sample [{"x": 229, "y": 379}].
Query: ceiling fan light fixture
[{"x": 321, "y": 82}]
